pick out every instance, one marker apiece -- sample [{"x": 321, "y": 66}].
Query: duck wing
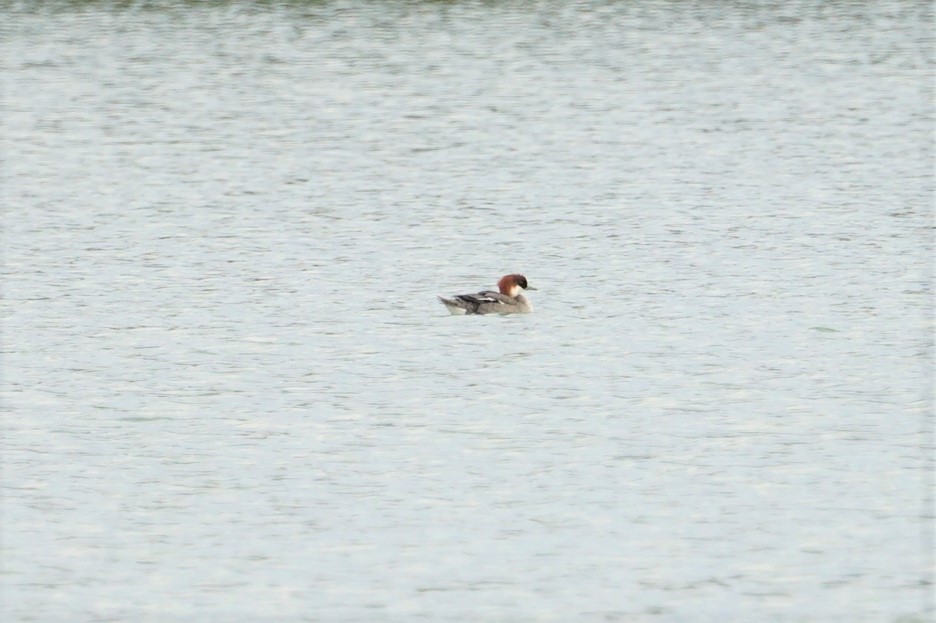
[{"x": 473, "y": 302}]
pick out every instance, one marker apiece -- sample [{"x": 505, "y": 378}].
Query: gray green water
[{"x": 230, "y": 394}]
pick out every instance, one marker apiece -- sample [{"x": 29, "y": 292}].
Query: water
[{"x": 231, "y": 396}]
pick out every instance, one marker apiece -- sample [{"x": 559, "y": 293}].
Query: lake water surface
[{"x": 230, "y": 394}]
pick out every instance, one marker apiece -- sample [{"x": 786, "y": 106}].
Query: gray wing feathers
[
  {"x": 487, "y": 296},
  {"x": 483, "y": 302},
  {"x": 496, "y": 297}
]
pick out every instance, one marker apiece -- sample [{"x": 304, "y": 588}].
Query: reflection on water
[{"x": 234, "y": 394}]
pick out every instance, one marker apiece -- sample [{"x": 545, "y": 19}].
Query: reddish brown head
[{"x": 510, "y": 285}]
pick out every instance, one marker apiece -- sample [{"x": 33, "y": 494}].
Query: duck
[{"x": 508, "y": 299}]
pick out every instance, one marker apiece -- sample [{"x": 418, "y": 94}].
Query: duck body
[{"x": 508, "y": 300}]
